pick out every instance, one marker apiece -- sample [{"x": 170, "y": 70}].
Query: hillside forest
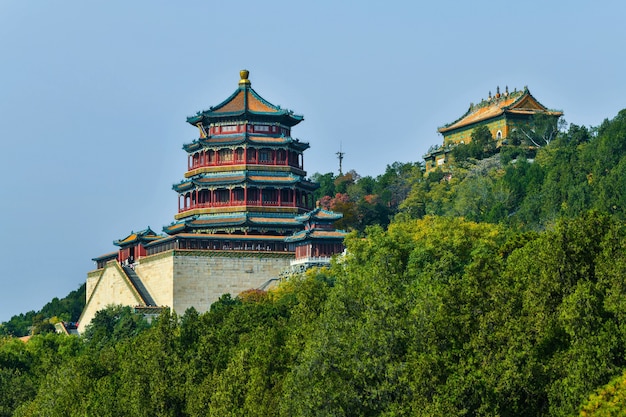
[{"x": 494, "y": 287}]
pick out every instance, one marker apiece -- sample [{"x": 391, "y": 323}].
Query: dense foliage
[
  {"x": 67, "y": 309},
  {"x": 437, "y": 316},
  {"x": 495, "y": 288},
  {"x": 581, "y": 169}
]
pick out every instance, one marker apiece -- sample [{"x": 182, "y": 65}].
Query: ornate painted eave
[
  {"x": 222, "y": 222},
  {"x": 245, "y": 103},
  {"x": 240, "y": 177},
  {"x": 240, "y": 139},
  {"x": 224, "y": 237},
  {"x": 193, "y": 146}
]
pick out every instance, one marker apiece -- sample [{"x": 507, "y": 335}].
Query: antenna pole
[{"x": 340, "y": 155}]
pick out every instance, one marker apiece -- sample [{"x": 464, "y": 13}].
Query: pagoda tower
[
  {"x": 245, "y": 175},
  {"x": 244, "y": 214}
]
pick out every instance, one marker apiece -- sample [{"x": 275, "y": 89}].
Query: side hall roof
[
  {"x": 143, "y": 236},
  {"x": 517, "y": 102}
]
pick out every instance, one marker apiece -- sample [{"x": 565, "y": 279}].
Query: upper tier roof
[
  {"x": 245, "y": 103},
  {"x": 518, "y": 102}
]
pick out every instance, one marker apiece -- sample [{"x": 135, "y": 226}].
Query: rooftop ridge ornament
[{"x": 243, "y": 74}]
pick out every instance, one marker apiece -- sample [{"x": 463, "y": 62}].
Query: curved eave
[
  {"x": 266, "y": 179},
  {"x": 188, "y": 185},
  {"x": 105, "y": 257},
  {"x": 174, "y": 228},
  {"x": 238, "y": 139},
  {"x": 283, "y": 117},
  {"x": 193, "y": 146},
  {"x": 320, "y": 215},
  {"x": 223, "y": 140},
  {"x": 311, "y": 186},
  {"x": 336, "y": 235},
  {"x": 275, "y": 221},
  {"x": 223, "y": 180},
  {"x": 228, "y": 237},
  {"x": 225, "y": 224},
  {"x": 139, "y": 240},
  {"x": 203, "y": 223},
  {"x": 300, "y": 146},
  {"x": 530, "y": 112},
  {"x": 463, "y": 126},
  {"x": 248, "y": 178}
]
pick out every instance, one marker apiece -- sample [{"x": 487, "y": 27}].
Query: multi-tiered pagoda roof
[{"x": 245, "y": 104}]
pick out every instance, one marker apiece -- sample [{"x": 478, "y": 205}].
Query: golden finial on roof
[{"x": 243, "y": 74}]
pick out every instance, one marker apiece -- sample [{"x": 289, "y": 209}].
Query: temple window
[
  {"x": 229, "y": 128},
  {"x": 499, "y": 135},
  {"x": 222, "y": 196},
  {"x": 238, "y": 194},
  {"x": 239, "y": 154},
  {"x": 225, "y": 155},
  {"x": 264, "y": 155}
]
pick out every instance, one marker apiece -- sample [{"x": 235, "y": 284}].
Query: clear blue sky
[{"x": 94, "y": 97}]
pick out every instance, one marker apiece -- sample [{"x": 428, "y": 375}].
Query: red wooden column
[{"x": 279, "y": 191}]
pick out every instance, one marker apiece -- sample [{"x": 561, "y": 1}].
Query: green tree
[
  {"x": 541, "y": 129},
  {"x": 113, "y": 324}
]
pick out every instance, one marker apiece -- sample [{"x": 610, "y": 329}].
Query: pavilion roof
[
  {"x": 517, "y": 102},
  {"x": 245, "y": 103}
]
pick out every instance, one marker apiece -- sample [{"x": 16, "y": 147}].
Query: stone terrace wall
[{"x": 201, "y": 277}]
